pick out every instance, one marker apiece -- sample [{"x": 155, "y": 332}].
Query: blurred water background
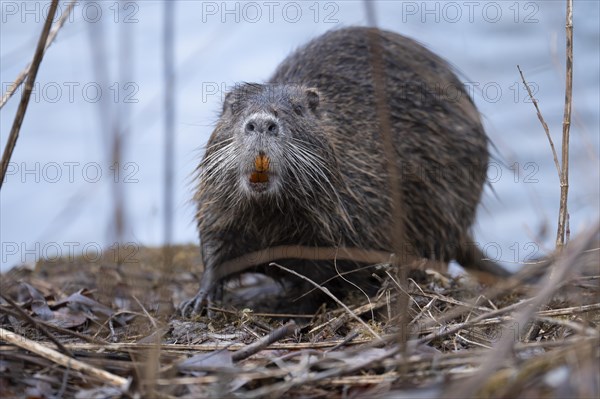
[{"x": 56, "y": 199}]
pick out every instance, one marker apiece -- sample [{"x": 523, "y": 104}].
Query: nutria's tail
[{"x": 470, "y": 257}]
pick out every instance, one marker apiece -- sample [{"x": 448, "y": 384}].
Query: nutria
[{"x": 299, "y": 161}]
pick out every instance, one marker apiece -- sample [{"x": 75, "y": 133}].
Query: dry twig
[
  {"x": 563, "y": 218},
  {"x": 21, "y": 77},
  {"x": 396, "y": 220},
  {"x": 59, "y": 358},
  {"x": 265, "y": 341},
  {"x": 542, "y": 121},
  {"x": 35, "y": 64},
  {"x": 563, "y": 167}
]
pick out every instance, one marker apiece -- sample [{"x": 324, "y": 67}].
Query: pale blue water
[{"x": 61, "y": 206}]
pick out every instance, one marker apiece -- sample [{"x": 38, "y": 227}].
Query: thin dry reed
[{"x": 33, "y": 70}]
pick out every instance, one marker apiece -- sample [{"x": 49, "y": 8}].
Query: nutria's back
[
  {"x": 299, "y": 160},
  {"x": 440, "y": 142}
]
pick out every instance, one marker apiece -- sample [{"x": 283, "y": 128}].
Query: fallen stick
[{"x": 59, "y": 358}]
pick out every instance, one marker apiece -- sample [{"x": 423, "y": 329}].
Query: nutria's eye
[{"x": 299, "y": 110}]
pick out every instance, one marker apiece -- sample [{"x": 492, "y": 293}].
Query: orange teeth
[
  {"x": 259, "y": 177},
  {"x": 261, "y": 163},
  {"x": 261, "y": 167}
]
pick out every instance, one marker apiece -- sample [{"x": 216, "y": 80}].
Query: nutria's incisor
[{"x": 300, "y": 161}]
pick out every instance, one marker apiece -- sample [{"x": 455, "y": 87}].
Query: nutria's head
[{"x": 268, "y": 144}]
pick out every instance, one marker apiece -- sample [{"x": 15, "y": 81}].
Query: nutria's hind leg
[{"x": 470, "y": 257}]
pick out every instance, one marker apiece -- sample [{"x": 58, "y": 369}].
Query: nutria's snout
[
  {"x": 261, "y": 138},
  {"x": 262, "y": 125}
]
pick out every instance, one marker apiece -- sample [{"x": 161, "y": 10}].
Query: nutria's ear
[
  {"x": 312, "y": 98},
  {"x": 228, "y": 103}
]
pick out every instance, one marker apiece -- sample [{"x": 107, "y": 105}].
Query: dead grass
[{"x": 455, "y": 330}]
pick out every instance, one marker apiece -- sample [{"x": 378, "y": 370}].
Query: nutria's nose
[{"x": 262, "y": 125}]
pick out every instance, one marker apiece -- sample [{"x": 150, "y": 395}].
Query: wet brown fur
[{"x": 322, "y": 95}]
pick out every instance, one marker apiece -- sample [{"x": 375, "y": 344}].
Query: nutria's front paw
[{"x": 194, "y": 305}]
